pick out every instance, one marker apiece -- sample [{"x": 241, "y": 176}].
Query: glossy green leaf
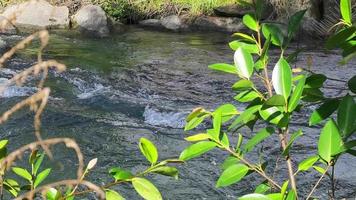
[
  {"x": 272, "y": 114},
  {"x": 315, "y": 81},
  {"x": 146, "y": 189},
  {"x": 291, "y": 141},
  {"x": 42, "y": 176},
  {"x": 120, "y": 174},
  {"x": 259, "y": 137},
  {"x": 242, "y": 85},
  {"x": 275, "y": 196},
  {"x": 232, "y": 174},
  {"x": 243, "y": 62},
  {"x": 250, "y": 21},
  {"x": 306, "y": 164},
  {"x": 11, "y": 186},
  {"x": 3, "y": 143},
  {"x": 294, "y": 22},
  {"x": 319, "y": 169},
  {"x": 113, "y": 195},
  {"x": 245, "y": 37},
  {"x": 196, "y": 149},
  {"x": 262, "y": 188},
  {"x": 149, "y": 150},
  {"x": 251, "y": 48},
  {"x": 245, "y": 116},
  {"x": 346, "y": 115},
  {"x": 195, "y": 122},
  {"x": 282, "y": 78},
  {"x": 198, "y": 137},
  {"x": 53, "y": 194},
  {"x": 255, "y": 196},
  {"x": 273, "y": 31},
  {"x": 246, "y": 96},
  {"x": 338, "y": 39},
  {"x": 22, "y": 172},
  {"x": 284, "y": 188},
  {"x": 330, "y": 142},
  {"x": 291, "y": 195},
  {"x": 352, "y": 84},
  {"x": 228, "y": 111},
  {"x": 224, "y": 68},
  {"x": 229, "y": 161},
  {"x": 296, "y": 96},
  {"x": 324, "y": 111},
  {"x": 217, "y": 125},
  {"x": 166, "y": 171},
  {"x": 38, "y": 162},
  {"x": 346, "y": 10},
  {"x": 275, "y": 100},
  {"x": 313, "y": 95}
]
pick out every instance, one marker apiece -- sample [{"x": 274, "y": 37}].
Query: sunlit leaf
[
  {"x": 242, "y": 85},
  {"x": 246, "y": 96},
  {"x": 346, "y": 10},
  {"x": 324, "y": 111},
  {"x": 291, "y": 141},
  {"x": 262, "y": 188},
  {"x": 120, "y": 174},
  {"x": 245, "y": 37},
  {"x": 166, "y": 171},
  {"x": 195, "y": 122},
  {"x": 198, "y": 137},
  {"x": 149, "y": 150},
  {"x": 113, "y": 195},
  {"x": 255, "y": 197},
  {"x": 53, "y": 194},
  {"x": 232, "y": 174},
  {"x": 282, "y": 78},
  {"x": 227, "y": 112},
  {"x": 259, "y": 137},
  {"x": 224, "y": 68},
  {"x": 275, "y": 100},
  {"x": 146, "y": 189},
  {"x": 330, "y": 142},
  {"x": 273, "y": 31},
  {"x": 297, "y": 93},
  {"x": 338, "y": 39},
  {"x": 251, "y": 48},
  {"x": 197, "y": 149},
  {"x": 229, "y": 161},
  {"x": 346, "y": 115},
  {"x": 22, "y": 172},
  {"x": 41, "y": 177},
  {"x": 250, "y": 21},
  {"x": 244, "y": 62}
]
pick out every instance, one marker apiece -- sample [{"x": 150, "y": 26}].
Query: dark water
[{"x": 142, "y": 84}]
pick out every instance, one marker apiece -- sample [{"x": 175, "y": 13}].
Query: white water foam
[
  {"x": 15, "y": 91},
  {"x": 167, "y": 119}
]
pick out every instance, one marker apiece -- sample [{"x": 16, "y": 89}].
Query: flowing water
[{"x": 142, "y": 84}]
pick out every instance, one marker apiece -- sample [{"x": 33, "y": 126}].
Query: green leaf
[
  {"x": 216, "y": 125},
  {"x": 297, "y": 93},
  {"x": 346, "y": 115},
  {"x": 22, "y": 172},
  {"x": 198, "y": 137},
  {"x": 262, "y": 188},
  {"x": 232, "y": 175},
  {"x": 149, "y": 150},
  {"x": 228, "y": 111},
  {"x": 224, "y": 68},
  {"x": 38, "y": 162},
  {"x": 3, "y": 143},
  {"x": 250, "y": 21},
  {"x": 352, "y": 84},
  {"x": 245, "y": 116},
  {"x": 196, "y": 149},
  {"x": 246, "y": 96},
  {"x": 113, "y": 195},
  {"x": 255, "y": 197},
  {"x": 41, "y": 177},
  {"x": 120, "y": 174},
  {"x": 229, "y": 161},
  {"x": 338, "y": 39},
  {"x": 291, "y": 140},
  {"x": 275, "y": 100},
  {"x": 315, "y": 81},
  {"x": 319, "y": 169},
  {"x": 306, "y": 164},
  {"x": 346, "y": 10},
  {"x": 242, "y": 85},
  {"x": 245, "y": 37},
  {"x": 259, "y": 137},
  {"x": 294, "y": 22},
  {"x": 244, "y": 62},
  {"x": 272, "y": 114},
  {"x": 313, "y": 95},
  {"x": 284, "y": 188},
  {"x": 291, "y": 195},
  {"x": 251, "y": 48},
  {"x": 324, "y": 111},
  {"x": 330, "y": 142},
  {"x": 273, "y": 31},
  {"x": 146, "y": 189},
  {"x": 282, "y": 78},
  {"x": 53, "y": 194},
  {"x": 166, "y": 171},
  {"x": 195, "y": 122},
  {"x": 12, "y": 186}
]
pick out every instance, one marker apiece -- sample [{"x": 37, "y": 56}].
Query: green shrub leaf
[
  {"x": 273, "y": 31},
  {"x": 42, "y": 176},
  {"x": 244, "y": 62},
  {"x": 146, "y": 189},
  {"x": 255, "y": 197},
  {"x": 324, "y": 111},
  {"x": 352, "y": 84},
  {"x": 228, "y": 111},
  {"x": 259, "y": 137},
  {"x": 166, "y": 171},
  {"x": 346, "y": 10},
  {"x": 120, "y": 174},
  {"x": 250, "y": 21},
  {"x": 306, "y": 164},
  {"x": 196, "y": 149},
  {"x": 246, "y": 96},
  {"x": 242, "y": 85},
  {"x": 251, "y": 48},
  {"x": 340, "y": 37},
  {"x": 330, "y": 142},
  {"x": 198, "y": 137},
  {"x": 53, "y": 194},
  {"x": 224, "y": 68},
  {"x": 282, "y": 78},
  {"x": 291, "y": 140},
  {"x": 232, "y": 174},
  {"x": 346, "y": 115},
  {"x": 315, "y": 81},
  {"x": 195, "y": 122},
  {"x": 275, "y": 100},
  {"x": 22, "y": 172},
  {"x": 149, "y": 150},
  {"x": 294, "y": 22},
  {"x": 113, "y": 195},
  {"x": 297, "y": 93}
]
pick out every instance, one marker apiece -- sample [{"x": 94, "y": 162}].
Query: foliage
[{"x": 285, "y": 93}]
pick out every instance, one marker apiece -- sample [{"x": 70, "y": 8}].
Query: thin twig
[{"x": 317, "y": 183}]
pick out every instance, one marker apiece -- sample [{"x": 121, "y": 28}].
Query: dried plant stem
[{"x": 317, "y": 183}]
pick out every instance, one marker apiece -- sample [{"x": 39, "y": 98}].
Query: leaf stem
[{"x": 317, "y": 183}]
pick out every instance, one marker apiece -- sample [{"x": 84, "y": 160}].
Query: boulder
[
  {"x": 37, "y": 14},
  {"x": 154, "y": 23},
  {"x": 6, "y": 26},
  {"x": 239, "y": 11},
  {"x": 91, "y": 19},
  {"x": 225, "y": 24},
  {"x": 173, "y": 22}
]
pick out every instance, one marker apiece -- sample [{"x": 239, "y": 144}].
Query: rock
[
  {"x": 173, "y": 22},
  {"x": 91, "y": 19},
  {"x": 239, "y": 11},
  {"x": 6, "y": 27},
  {"x": 3, "y": 45},
  {"x": 154, "y": 23},
  {"x": 219, "y": 24},
  {"x": 37, "y": 14}
]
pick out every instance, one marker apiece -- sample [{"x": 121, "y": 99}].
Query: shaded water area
[{"x": 142, "y": 84}]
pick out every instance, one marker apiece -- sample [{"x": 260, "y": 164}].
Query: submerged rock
[
  {"x": 37, "y": 14},
  {"x": 239, "y": 11},
  {"x": 230, "y": 24},
  {"x": 154, "y": 23},
  {"x": 173, "y": 22},
  {"x": 91, "y": 19}
]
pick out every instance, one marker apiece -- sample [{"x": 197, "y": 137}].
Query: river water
[{"x": 143, "y": 83}]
